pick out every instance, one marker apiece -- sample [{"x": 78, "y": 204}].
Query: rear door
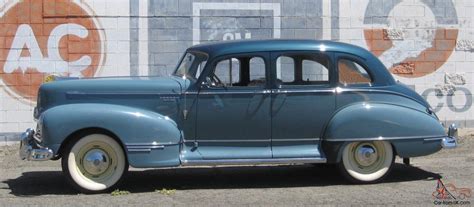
[{"x": 303, "y": 100}]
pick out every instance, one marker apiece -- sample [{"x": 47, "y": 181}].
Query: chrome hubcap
[
  {"x": 366, "y": 155},
  {"x": 96, "y": 162}
]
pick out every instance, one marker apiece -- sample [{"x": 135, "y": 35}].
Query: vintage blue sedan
[{"x": 237, "y": 103}]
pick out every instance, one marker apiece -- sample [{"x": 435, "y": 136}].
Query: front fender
[
  {"x": 136, "y": 128},
  {"x": 404, "y": 127}
]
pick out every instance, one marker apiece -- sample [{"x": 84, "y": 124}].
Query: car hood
[
  {"x": 106, "y": 89},
  {"x": 116, "y": 84}
]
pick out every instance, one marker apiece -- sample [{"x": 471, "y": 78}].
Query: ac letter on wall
[{"x": 26, "y": 39}]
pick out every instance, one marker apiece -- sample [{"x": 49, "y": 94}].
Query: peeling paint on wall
[
  {"x": 466, "y": 45},
  {"x": 455, "y": 78}
]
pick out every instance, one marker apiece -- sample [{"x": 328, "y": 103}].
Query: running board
[{"x": 252, "y": 161}]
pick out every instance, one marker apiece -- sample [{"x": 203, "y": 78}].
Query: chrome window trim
[
  {"x": 288, "y": 90},
  {"x": 234, "y": 92},
  {"x": 266, "y": 91}
]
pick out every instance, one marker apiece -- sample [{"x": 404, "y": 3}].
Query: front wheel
[
  {"x": 367, "y": 161},
  {"x": 94, "y": 163}
]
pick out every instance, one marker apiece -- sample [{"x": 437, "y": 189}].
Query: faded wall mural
[{"x": 427, "y": 44}]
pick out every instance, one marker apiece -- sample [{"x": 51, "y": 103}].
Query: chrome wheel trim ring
[
  {"x": 366, "y": 165},
  {"x": 83, "y": 163},
  {"x": 366, "y": 154},
  {"x": 96, "y": 162}
]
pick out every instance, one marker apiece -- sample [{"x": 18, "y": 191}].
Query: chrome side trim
[
  {"x": 296, "y": 140},
  {"x": 139, "y": 93},
  {"x": 190, "y": 93},
  {"x": 147, "y": 147},
  {"x": 254, "y": 140},
  {"x": 151, "y": 143},
  {"x": 150, "y": 147},
  {"x": 254, "y": 161},
  {"x": 433, "y": 139},
  {"x": 234, "y": 92},
  {"x": 230, "y": 140},
  {"x": 384, "y": 138},
  {"x": 374, "y": 90}
]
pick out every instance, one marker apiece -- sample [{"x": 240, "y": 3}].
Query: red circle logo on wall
[{"x": 41, "y": 37}]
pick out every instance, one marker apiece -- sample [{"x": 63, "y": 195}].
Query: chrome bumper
[
  {"x": 450, "y": 141},
  {"x": 31, "y": 150}
]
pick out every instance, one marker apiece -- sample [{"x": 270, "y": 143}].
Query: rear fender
[{"x": 405, "y": 128}]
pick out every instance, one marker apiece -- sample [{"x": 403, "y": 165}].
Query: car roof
[
  {"x": 246, "y": 46},
  {"x": 378, "y": 71}
]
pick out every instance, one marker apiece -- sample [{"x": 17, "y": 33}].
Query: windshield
[{"x": 191, "y": 65}]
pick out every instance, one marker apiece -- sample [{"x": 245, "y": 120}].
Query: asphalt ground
[{"x": 42, "y": 183}]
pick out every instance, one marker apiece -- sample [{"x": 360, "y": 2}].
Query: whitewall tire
[
  {"x": 94, "y": 163},
  {"x": 367, "y": 161}
]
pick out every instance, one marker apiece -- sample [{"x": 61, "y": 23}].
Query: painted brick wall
[{"x": 427, "y": 44}]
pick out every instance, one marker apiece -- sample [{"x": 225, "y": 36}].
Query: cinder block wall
[{"x": 427, "y": 44}]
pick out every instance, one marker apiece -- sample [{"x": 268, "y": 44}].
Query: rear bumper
[
  {"x": 31, "y": 150},
  {"x": 450, "y": 141}
]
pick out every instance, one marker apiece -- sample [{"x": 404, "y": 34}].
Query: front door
[
  {"x": 303, "y": 100},
  {"x": 233, "y": 111}
]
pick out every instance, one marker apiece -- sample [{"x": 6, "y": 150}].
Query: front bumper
[
  {"x": 30, "y": 148},
  {"x": 450, "y": 141}
]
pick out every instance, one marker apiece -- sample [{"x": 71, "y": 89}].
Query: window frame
[
  {"x": 193, "y": 74},
  {"x": 211, "y": 65},
  {"x": 332, "y": 75}
]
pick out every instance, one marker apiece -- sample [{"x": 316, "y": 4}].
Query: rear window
[{"x": 350, "y": 72}]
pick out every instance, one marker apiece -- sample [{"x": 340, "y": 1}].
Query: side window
[
  {"x": 257, "y": 72},
  {"x": 351, "y": 72},
  {"x": 247, "y": 71},
  {"x": 227, "y": 72},
  {"x": 302, "y": 69},
  {"x": 200, "y": 68},
  {"x": 314, "y": 71},
  {"x": 285, "y": 69}
]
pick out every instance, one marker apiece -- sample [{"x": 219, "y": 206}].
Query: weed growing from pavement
[
  {"x": 118, "y": 192},
  {"x": 165, "y": 191}
]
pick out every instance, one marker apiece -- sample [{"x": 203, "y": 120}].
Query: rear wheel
[
  {"x": 94, "y": 163},
  {"x": 366, "y": 162}
]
